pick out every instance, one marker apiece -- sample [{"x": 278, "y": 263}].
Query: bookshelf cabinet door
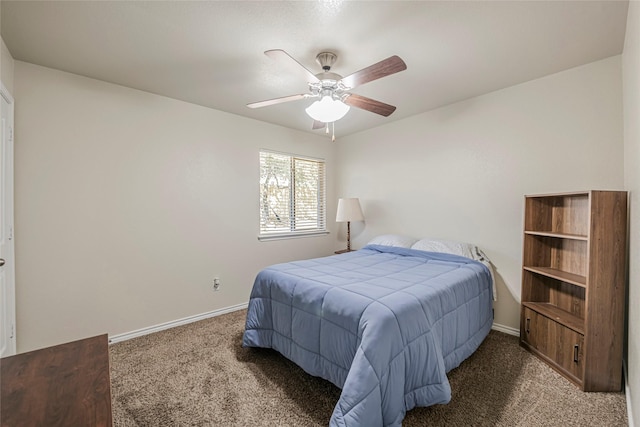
[
  {"x": 534, "y": 331},
  {"x": 560, "y": 346},
  {"x": 569, "y": 352}
]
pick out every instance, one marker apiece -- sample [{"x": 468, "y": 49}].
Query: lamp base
[{"x": 344, "y": 251}]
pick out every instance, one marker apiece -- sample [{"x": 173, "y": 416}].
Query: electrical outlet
[{"x": 216, "y": 284}]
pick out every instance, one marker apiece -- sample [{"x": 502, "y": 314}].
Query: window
[{"x": 292, "y": 195}]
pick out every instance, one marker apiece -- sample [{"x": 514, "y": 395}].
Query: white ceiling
[{"x": 211, "y": 53}]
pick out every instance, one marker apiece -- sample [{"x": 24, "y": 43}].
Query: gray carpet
[{"x": 199, "y": 375}]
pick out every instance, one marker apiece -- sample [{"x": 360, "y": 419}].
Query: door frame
[{"x": 8, "y": 304}]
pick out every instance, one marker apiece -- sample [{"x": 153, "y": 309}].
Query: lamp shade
[
  {"x": 327, "y": 110},
  {"x": 349, "y": 210}
]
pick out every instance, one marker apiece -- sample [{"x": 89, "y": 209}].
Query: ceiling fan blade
[
  {"x": 293, "y": 65},
  {"x": 274, "y": 101},
  {"x": 386, "y": 67},
  {"x": 318, "y": 125},
  {"x": 369, "y": 104}
]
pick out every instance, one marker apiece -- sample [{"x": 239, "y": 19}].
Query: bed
[{"x": 384, "y": 323}]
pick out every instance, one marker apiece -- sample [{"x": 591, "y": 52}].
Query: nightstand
[{"x": 344, "y": 251}]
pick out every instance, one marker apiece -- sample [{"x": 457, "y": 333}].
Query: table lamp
[{"x": 349, "y": 210}]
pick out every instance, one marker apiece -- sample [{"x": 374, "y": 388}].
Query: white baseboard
[
  {"x": 506, "y": 329},
  {"x": 172, "y": 324},
  {"x": 627, "y": 393},
  {"x": 186, "y": 320}
]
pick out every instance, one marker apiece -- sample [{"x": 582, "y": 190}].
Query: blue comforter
[{"x": 384, "y": 324}]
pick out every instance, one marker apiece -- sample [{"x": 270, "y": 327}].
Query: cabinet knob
[
  {"x": 575, "y": 353},
  {"x": 528, "y": 324}
]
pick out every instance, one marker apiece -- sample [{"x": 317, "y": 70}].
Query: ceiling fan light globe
[{"x": 327, "y": 110}]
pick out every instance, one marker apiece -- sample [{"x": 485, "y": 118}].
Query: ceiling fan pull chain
[{"x": 333, "y": 136}]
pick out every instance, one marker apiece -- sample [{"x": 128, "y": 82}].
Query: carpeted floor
[{"x": 199, "y": 375}]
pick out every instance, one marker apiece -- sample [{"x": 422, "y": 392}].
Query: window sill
[{"x": 296, "y": 235}]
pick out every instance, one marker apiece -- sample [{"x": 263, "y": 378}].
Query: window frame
[{"x": 322, "y": 202}]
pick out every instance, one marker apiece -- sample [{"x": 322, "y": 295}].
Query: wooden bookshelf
[{"x": 573, "y": 284}]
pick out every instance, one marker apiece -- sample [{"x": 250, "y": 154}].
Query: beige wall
[
  {"x": 460, "y": 172},
  {"x": 6, "y": 67},
  {"x": 128, "y": 203},
  {"x": 631, "y": 96}
]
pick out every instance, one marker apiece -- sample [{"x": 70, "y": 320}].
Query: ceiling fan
[{"x": 332, "y": 90}]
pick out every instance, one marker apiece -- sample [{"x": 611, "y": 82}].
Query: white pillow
[
  {"x": 458, "y": 248},
  {"x": 393, "y": 240},
  {"x": 447, "y": 247}
]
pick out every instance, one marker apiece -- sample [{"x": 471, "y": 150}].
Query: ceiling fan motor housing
[{"x": 326, "y": 60}]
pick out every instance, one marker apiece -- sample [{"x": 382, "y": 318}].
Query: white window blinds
[{"x": 292, "y": 195}]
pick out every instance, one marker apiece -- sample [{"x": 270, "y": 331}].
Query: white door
[{"x": 7, "y": 264}]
